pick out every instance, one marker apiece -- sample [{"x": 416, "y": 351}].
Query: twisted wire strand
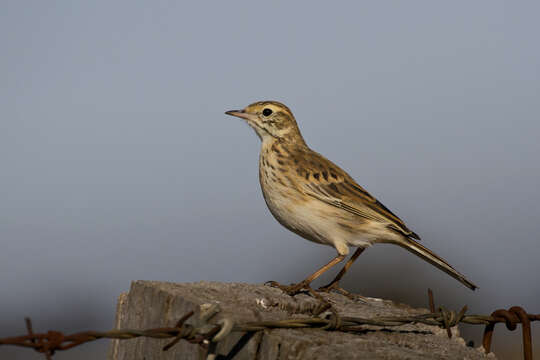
[{"x": 205, "y": 334}]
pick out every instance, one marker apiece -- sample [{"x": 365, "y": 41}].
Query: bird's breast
[
  {"x": 287, "y": 202},
  {"x": 277, "y": 187}
]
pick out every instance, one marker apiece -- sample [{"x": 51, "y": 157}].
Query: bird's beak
[{"x": 238, "y": 113}]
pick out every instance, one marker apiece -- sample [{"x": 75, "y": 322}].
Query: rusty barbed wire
[
  {"x": 207, "y": 334},
  {"x": 50, "y": 342},
  {"x": 511, "y": 317}
]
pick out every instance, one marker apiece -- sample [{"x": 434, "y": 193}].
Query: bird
[{"x": 314, "y": 198}]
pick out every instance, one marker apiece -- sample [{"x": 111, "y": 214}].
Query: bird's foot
[
  {"x": 292, "y": 289},
  {"x": 334, "y": 286}
]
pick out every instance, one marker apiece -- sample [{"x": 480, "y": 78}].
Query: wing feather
[{"x": 335, "y": 187}]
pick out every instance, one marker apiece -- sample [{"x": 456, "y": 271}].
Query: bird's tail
[{"x": 435, "y": 259}]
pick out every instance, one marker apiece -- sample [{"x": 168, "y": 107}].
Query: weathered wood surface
[{"x": 157, "y": 304}]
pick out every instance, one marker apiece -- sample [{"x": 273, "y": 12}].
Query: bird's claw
[
  {"x": 292, "y": 289},
  {"x": 334, "y": 286}
]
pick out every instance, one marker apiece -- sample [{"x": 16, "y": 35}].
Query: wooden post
[{"x": 151, "y": 304}]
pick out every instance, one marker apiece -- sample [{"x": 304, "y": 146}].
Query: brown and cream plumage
[{"x": 313, "y": 197}]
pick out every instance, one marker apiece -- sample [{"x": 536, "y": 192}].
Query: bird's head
[{"x": 270, "y": 119}]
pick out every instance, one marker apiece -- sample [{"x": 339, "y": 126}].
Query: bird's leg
[
  {"x": 294, "y": 289},
  {"x": 334, "y": 284}
]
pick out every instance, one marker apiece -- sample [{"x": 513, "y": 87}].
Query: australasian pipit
[{"x": 313, "y": 197}]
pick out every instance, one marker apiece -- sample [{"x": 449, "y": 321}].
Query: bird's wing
[{"x": 326, "y": 182}]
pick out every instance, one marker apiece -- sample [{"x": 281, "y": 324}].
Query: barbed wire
[
  {"x": 207, "y": 335},
  {"x": 511, "y": 317}
]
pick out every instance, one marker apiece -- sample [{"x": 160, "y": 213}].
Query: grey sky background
[{"x": 117, "y": 162}]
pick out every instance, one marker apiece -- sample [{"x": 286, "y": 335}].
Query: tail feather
[{"x": 436, "y": 260}]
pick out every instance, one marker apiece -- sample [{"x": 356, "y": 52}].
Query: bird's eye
[{"x": 267, "y": 112}]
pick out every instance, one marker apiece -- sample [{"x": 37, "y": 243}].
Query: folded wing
[{"x": 326, "y": 182}]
